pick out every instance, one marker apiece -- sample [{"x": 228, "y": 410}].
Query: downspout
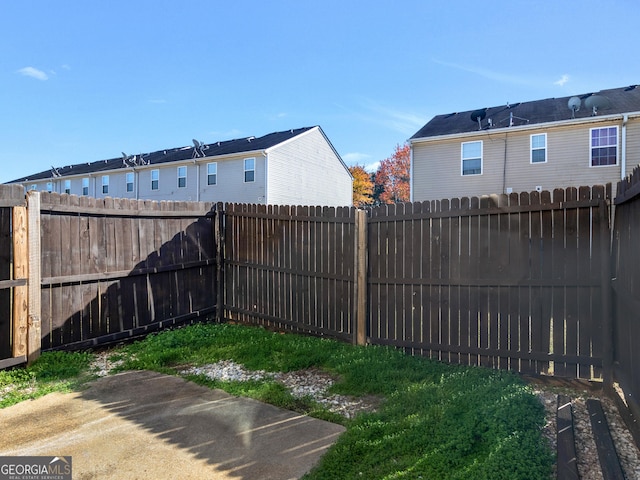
[
  {"x": 623, "y": 153},
  {"x": 411, "y": 172},
  {"x": 504, "y": 166},
  {"x": 197, "y": 180},
  {"x": 266, "y": 176}
]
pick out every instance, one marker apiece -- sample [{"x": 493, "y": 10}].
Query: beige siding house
[
  {"x": 295, "y": 167},
  {"x": 554, "y": 143}
]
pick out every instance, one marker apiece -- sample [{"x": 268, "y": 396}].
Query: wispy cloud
[
  {"x": 563, "y": 79},
  {"x": 33, "y": 73},
  {"x": 490, "y": 74},
  {"x": 402, "y": 121}
]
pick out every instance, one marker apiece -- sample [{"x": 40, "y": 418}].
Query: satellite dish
[
  {"x": 196, "y": 143},
  {"x": 478, "y": 116},
  {"x": 596, "y": 102},
  {"x": 574, "y": 105}
]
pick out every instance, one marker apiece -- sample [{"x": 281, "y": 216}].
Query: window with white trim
[
  {"x": 155, "y": 179},
  {"x": 212, "y": 173},
  {"x": 49, "y": 187},
  {"x": 130, "y": 179},
  {"x": 67, "y": 186},
  {"x": 472, "y": 158},
  {"x": 604, "y": 146},
  {"x": 249, "y": 169},
  {"x": 85, "y": 186},
  {"x": 539, "y": 148},
  {"x": 105, "y": 184},
  {"x": 182, "y": 177},
  {"x": 33, "y": 187}
]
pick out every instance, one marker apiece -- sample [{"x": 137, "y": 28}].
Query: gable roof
[
  {"x": 227, "y": 147},
  {"x": 620, "y": 100}
]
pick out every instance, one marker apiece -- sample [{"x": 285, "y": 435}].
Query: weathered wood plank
[
  {"x": 567, "y": 459},
  {"x": 609, "y": 461}
]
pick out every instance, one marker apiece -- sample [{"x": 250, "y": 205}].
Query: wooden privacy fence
[
  {"x": 626, "y": 287},
  {"x": 102, "y": 270},
  {"x": 517, "y": 282}
]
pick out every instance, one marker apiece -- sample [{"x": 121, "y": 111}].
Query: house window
[
  {"x": 539, "y": 148},
  {"x": 105, "y": 184},
  {"x": 85, "y": 186},
  {"x": 49, "y": 187},
  {"x": 212, "y": 173},
  {"x": 182, "y": 177},
  {"x": 249, "y": 169},
  {"x": 33, "y": 187},
  {"x": 155, "y": 179},
  {"x": 472, "y": 158},
  {"x": 130, "y": 178},
  {"x": 604, "y": 146},
  {"x": 67, "y": 186}
]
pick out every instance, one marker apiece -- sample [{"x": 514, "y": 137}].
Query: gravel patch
[
  {"x": 313, "y": 383},
  {"x": 586, "y": 451}
]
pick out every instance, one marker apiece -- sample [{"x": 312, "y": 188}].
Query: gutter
[{"x": 623, "y": 152}]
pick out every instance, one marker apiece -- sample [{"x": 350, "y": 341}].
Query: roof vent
[
  {"x": 596, "y": 102},
  {"x": 630, "y": 87},
  {"x": 250, "y": 138}
]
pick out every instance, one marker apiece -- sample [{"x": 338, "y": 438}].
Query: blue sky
[{"x": 86, "y": 80}]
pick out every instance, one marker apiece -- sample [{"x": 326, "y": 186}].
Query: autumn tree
[
  {"x": 392, "y": 176},
  {"x": 362, "y": 186}
]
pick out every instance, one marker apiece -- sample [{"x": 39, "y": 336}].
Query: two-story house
[
  {"x": 575, "y": 141},
  {"x": 293, "y": 167}
]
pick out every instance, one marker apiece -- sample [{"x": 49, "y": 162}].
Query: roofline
[
  {"x": 534, "y": 126},
  {"x": 151, "y": 166}
]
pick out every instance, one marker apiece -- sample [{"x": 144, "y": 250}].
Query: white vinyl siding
[
  {"x": 539, "y": 148},
  {"x": 308, "y": 171},
  {"x": 471, "y": 158}
]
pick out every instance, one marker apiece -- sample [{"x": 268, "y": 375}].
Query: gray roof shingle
[
  {"x": 620, "y": 100},
  {"x": 227, "y": 147}
]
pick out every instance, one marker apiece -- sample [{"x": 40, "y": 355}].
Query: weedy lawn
[{"x": 435, "y": 421}]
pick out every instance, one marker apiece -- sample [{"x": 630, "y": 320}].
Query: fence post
[
  {"x": 20, "y": 272},
  {"x": 219, "y": 239},
  {"x": 360, "y": 330},
  {"x": 607, "y": 311},
  {"x": 34, "y": 332}
]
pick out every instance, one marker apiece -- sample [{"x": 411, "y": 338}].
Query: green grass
[
  {"x": 52, "y": 372},
  {"x": 436, "y": 421}
]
